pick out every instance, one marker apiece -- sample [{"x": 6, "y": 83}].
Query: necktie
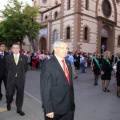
[
  {"x": 65, "y": 69},
  {"x": 16, "y": 59}
]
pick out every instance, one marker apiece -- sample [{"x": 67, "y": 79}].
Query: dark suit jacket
[
  {"x": 57, "y": 95},
  {"x": 3, "y": 64},
  {"x": 20, "y": 69}
]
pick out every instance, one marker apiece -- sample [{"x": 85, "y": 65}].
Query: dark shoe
[
  {"x": 107, "y": 90},
  {"x": 8, "y": 107},
  {"x": 76, "y": 77},
  {"x": 1, "y": 97},
  {"x": 21, "y": 112}
]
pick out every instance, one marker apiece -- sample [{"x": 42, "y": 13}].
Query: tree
[
  {"x": 32, "y": 27},
  {"x": 20, "y": 21},
  {"x": 4, "y": 36}
]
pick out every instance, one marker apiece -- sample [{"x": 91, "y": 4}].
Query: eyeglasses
[{"x": 62, "y": 48}]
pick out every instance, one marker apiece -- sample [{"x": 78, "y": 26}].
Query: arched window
[
  {"x": 86, "y": 4},
  {"x": 106, "y": 8},
  {"x": 68, "y": 4},
  {"x": 68, "y": 33},
  {"x": 46, "y": 17},
  {"x": 86, "y": 34},
  {"x": 55, "y": 35},
  {"x": 119, "y": 40},
  {"x": 56, "y": 15}
]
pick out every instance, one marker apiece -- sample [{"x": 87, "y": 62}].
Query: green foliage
[{"x": 19, "y": 22}]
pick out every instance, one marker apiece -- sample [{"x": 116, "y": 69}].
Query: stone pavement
[{"x": 91, "y": 102}]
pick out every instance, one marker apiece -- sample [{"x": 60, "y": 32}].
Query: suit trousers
[
  {"x": 68, "y": 116},
  {"x": 3, "y": 78},
  {"x": 19, "y": 94}
]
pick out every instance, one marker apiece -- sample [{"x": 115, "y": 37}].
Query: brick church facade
[{"x": 87, "y": 25}]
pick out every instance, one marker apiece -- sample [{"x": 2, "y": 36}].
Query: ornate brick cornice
[{"x": 104, "y": 20}]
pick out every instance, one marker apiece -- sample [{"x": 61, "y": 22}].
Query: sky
[{"x": 4, "y": 2}]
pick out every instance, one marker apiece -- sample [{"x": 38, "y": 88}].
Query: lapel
[
  {"x": 20, "y": 58},
  {"x": 5, "y": 54},
  {"x": 58, "y": 66},
  {"x": 12, "y": 58}
]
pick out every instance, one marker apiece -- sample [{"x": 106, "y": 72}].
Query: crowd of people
[{"x": 100, "y": 64}]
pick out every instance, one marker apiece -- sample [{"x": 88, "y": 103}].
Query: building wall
[
  {"x": 91, "y": 8},
  {"x": 51, "y": 13},
  {"x": 66, "y": 11},
  {"x": 43, "y": 6},
  {"x": 92, "y": 26},
  {"x": 117, "y": 29},
  {"x": 55, "y": 26},
  {"x": 77, "y": 18}
]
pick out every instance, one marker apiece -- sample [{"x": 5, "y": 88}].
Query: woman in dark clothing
[
  {"x": 118, "y": 76},
  {"x": 106, "y": 71},
  {"x": 96, "y": 67}
]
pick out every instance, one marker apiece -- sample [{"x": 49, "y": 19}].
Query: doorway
[
  {"x": 103, "y": 42},
  {"x": 42, "y": 44}
]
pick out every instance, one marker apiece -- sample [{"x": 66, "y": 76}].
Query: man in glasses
[{"x": 56, "y": 83}]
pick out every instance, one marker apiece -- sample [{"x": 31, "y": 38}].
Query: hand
[
  {"x": 102, "y": 72},
  {"x": 50, "y": 115}
]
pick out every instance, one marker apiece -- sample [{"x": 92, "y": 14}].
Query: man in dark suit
[
  {"x": 3, "y": 72},
  {"x": 17, "y": 66},
  {"x": 56, "y": 84}
]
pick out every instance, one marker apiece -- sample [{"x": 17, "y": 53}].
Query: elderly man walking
[{"x": 56, "y": 84}]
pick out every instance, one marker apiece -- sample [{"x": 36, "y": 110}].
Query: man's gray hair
[{"x": 56, "y": 43}]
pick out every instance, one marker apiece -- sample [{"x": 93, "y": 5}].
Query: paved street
[{"x": 91, "y": 102}]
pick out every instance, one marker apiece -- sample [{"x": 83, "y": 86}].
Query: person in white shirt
[{"x": 82, "y": 62}]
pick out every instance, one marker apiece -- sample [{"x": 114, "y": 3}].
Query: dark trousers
[
  {"x": 37, "y": 65},
  {"x": 3, "y": 78},
  {"x": 68, "y": 116},
  {"x": 19, "y": 94}
]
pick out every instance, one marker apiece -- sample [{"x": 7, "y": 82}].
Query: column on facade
[
  {"x": 77, "y": 24},
  {"x": 100, "y": 25},
  {"x": 49, "y": 25}
]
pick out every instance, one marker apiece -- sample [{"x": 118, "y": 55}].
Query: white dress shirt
[
  {"x": 1, "y": 53},
  {"x": 60, "y": 61}
]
